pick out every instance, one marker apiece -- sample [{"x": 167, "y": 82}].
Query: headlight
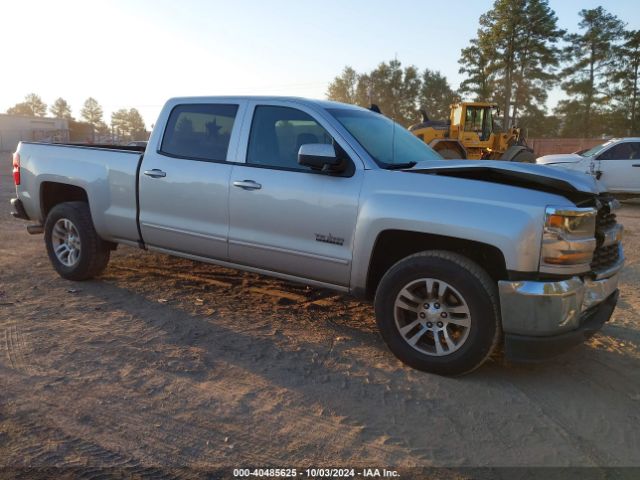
[{"x": 568, "y": 240}]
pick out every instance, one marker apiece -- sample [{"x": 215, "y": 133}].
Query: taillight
[{"x": 16, "y": 168}]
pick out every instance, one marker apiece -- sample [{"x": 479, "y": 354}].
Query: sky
[{"x": 139, "y": 53}]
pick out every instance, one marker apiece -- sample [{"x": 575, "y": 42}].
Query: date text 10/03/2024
[{"x": 315, "y": 472}]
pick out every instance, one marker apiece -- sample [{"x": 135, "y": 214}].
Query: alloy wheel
[{"x": 432, "y": 316}]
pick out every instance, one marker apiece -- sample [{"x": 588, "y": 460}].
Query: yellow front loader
[{"x": 474, "y": 134}]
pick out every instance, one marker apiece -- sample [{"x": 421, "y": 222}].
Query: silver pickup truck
[{"x": 460, "y": 257}]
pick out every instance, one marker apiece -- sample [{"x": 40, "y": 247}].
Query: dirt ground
[{"x": 165, "y": 363}]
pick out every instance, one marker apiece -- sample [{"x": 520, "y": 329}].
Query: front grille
[
  {"x": 605, "y": 219},
  {"x": 605, "y": 257}
]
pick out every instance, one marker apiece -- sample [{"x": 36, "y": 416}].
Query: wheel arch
[
  {"x": 393, "y": 245},
  {"x": 54, "y": 193}
]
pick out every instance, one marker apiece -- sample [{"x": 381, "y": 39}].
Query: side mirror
[{"x": 320, "y": 156}]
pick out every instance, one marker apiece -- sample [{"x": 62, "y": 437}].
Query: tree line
[
  {"x": 517, "y": 56},
  {"x": 126, "y": 124}
]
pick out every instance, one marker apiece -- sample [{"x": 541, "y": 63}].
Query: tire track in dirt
[
  {"x": 182, "y": 331},
  {"x": 584, "y": 435},
  {"x": 255, "y": 284},
  {"x": 53, "y": 447},
  {"x": 131, "y": 337},
  {"x": 9, "y": 348},
  {"x": 171, "y": 274},
  {"x": 18, "y": 351},
  {"x": 202, "y": 438}
]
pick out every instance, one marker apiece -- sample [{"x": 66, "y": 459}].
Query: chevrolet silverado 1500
[{"x": 459, "y": 256}]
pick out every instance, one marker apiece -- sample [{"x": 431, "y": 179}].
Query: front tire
[
  {"x": 439, "y": 312},
  {"x": 75, "y": 249}
]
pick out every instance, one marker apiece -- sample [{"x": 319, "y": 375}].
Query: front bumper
[
  {"x": 527, "y": 348},
  {"x": 18, "y": 209},
  {"x": 543, "y": 319}
]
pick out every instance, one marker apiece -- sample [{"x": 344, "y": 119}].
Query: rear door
[
  {"x": 283, "y": 216},
  {"x": 184, "y": 180},
  {"x": 620, "y": 167}
]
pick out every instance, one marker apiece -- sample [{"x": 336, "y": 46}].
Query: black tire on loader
[
  {"x": 450, "y": 154},
  {"x": 524, "y": 156}
]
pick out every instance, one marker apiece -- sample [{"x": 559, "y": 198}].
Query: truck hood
[
  {"x": 575, "y": 186},
  {"x": 559, "y": 158}
]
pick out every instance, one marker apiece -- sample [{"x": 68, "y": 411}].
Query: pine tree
[
  {"x": 394, "y": 89},
  {"x": 128, "y": 124},
  {"x": 38, "y": 107},
  {"x": 61, "y": 109},
  {"x": 91, "y": 111},
  {"x": 343, "y": 88},
  {"x": 119, "y": 122},
  {"x": 512, "y": 60},
  {"x": 590, "y": 57},
  {"x": 32, "y": 106},
  {"x": 474, "y": 62},
  {"x": 625, "y": 77},
  {"x": 537, "y": 58},
  {"x": 136, "y": 125},
  {"x": 21, "y": 109},
  {"x": 436, "y": 95}
]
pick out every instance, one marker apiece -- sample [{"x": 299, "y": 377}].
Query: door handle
[
  {"x": 247, "y": 184},
  {"x": 155, "y": 173},
  {"x": 636, "y": 165}
]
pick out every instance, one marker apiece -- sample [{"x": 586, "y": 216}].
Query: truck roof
[{"x": 231, "y": 98}]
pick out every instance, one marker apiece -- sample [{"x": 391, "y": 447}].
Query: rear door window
[{"x": 199, "y": 131}]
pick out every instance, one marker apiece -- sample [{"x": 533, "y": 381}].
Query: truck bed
[{"x": 107, "y": 173}]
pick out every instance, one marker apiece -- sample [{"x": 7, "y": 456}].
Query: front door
[
  {"x": 620, "y": 167},
  {"x": 283, "y": 216},
  {"x": 184, "y": 185}
]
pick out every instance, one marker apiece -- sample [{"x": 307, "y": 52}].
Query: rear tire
[
  {"x": 439, "y": 312},
  {"x": 75, "y": 249}
]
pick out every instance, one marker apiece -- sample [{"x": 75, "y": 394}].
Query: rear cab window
[{"x": 199, "y": 131}]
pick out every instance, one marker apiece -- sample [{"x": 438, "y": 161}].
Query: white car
[{"x": 616, "y": 163}]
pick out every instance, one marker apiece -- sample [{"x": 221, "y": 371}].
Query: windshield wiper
[{"x": 399, "y": 166}]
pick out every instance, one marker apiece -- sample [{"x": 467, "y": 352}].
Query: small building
[{"x": 16, "y": 128}]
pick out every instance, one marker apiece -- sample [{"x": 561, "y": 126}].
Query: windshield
[
  {"x": 595, "y": 150},
  {"x": 386, "y": 141}
]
